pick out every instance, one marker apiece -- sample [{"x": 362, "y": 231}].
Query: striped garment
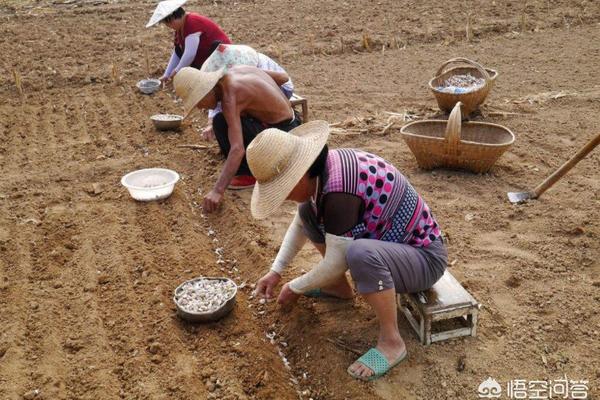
[{"x": 394, "y": 211}]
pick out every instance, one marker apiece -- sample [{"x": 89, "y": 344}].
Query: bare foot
[{"x": 392, "y": 350}]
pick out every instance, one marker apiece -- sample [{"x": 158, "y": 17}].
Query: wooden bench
[
  {"x": 446, "y": 301},
  {"x": 301, "y": 101}
]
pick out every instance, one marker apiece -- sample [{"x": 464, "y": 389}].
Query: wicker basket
[
  {"x": 471, "y": 100},
  {"x": 474, "y": 146}
]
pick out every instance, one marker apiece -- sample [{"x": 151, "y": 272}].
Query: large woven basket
[
  {"x": 474, "y": 146},
  {"x": 471, "y": 100}
]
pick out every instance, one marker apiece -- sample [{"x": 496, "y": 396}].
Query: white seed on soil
[
  {"x": 205, "y": 295},
  {"x": 286, "y": 363}
]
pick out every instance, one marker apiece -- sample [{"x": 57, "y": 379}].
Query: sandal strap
[{"x": 374, "y": 360}]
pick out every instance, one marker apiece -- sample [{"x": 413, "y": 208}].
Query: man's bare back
[
  {"x": 249, "y": 91},
  {"x": 251, "y": 101}
]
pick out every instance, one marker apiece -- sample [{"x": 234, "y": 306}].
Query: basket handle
[
  {"x": 463, "y": 60},
  {"x": 453, "y": 128}
]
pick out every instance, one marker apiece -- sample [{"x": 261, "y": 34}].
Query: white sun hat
[{"x": 163, "y": 10}]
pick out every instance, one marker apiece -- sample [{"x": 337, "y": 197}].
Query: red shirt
[{"x": 195, "y": 23}]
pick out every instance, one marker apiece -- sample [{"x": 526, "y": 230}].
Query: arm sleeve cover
[
  {"x": 331, "y": 267},
  {"x": 172, "y": 63},
  {"x": 191, "y": 47},
  {"x": 293, "y": 241}
]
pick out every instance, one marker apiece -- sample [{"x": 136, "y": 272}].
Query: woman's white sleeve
[
  {"x": 191, "y": 48},
  {"x": 331, "y": 267},
  {"x": 293, "y": 241},
  {"x": 172, "y": 63}
]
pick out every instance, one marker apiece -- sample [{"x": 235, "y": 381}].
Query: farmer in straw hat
[
  {"x": 252, "y": 101},
  {"x": 228, "y": 55},
  {"x": 362, "y": 214},
  {"x": 195, "y": 36}
]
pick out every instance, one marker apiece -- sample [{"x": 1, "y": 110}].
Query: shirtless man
[{"x": 252, "y": 101}]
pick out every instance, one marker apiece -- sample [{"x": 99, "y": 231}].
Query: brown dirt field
[{"x": 86, "y": 276}]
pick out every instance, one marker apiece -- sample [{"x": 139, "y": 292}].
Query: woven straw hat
[
  {"x": 192, "y": 86},
  {"x": 163, "y": 10},
  {"x": 279, "y": 159}
]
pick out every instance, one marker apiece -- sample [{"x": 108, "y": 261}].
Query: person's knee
[
  {"x": 360, "y": 256},
  {"x": 368, "y": 271}
]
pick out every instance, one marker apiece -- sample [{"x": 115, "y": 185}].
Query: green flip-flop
[
  {"x": 319, "y": 294},
  {"x": 376, "y": 362},
  {"x": 315, "y": 293}
]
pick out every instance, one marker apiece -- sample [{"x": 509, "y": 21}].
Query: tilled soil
[{"x": 87, "y": 273}]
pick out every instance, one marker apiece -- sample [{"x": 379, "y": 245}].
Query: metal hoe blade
[{"x": 519, "y": 197}]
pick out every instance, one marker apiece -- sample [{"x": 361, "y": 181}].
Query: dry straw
[
  {"x": 366, "y": 41},
  {"x": 18, "y": 82},
  {"x": 468, "y": 28},
  {"x": 114, "y": 71},
  {"x": 524, "y": 17},
  {"x": 147, "y": 62}
]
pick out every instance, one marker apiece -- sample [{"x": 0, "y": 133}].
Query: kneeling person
[{"x": 251, "y": 101}]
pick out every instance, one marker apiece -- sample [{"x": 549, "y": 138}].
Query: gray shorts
[{"x": 377, "y": 265}]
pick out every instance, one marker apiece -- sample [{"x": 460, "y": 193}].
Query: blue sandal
[{"x": 376, "y": 362}]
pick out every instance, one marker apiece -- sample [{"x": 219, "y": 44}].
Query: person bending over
[{"x": 251, "y": 100}]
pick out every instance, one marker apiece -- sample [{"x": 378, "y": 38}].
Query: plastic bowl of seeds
[
  {"x": 148, "y": 86},
  {"x": 165, "y": 122},
  {"x": 205, "y": 299},
  {"x": 150, "y": 183}
]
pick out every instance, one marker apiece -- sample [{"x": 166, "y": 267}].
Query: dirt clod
[{"x": 154, "y": 348}]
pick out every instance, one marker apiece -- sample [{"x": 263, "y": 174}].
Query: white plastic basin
[
  {"x": 148, "y": 86},
  {"x": 150, "y": 183}
]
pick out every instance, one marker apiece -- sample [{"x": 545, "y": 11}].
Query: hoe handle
[{"x": 566, "y": 167}]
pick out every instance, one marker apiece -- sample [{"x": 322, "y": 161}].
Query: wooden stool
[
  {"x": 297, "y": 100},
  {"x": 446, "y": 300}
]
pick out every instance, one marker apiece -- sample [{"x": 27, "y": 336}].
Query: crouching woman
[{"x": 362, "y": 214}]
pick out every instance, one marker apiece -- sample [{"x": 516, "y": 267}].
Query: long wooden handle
[{"x": 566, "y": 167}]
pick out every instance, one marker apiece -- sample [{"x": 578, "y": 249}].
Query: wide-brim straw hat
[
  {"x": 279, "y": 159},
  {"x": 193, "y": 85},
  {"x": 163, "y": 10}
]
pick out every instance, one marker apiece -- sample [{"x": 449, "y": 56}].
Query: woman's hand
[
  {"x": 266, "y": 284},
  {"x": 164, "y": 80},
  {"x": 287, "y": 297},
  {"x": 211, "y": 201}
]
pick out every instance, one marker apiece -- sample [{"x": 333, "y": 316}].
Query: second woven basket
[{"x": 474, "y": 146}]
